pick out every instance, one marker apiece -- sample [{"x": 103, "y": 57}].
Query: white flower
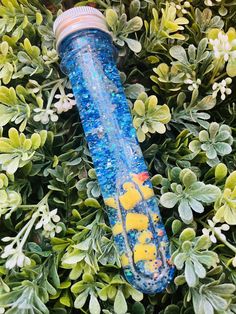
[
  {"x": 15, "y": 257},
  {"x": 2, "y": 310},
  {"x": 209, "y": 232},
  {"x": 181, "y": 6},
  {"x": 47, "y": 222},
  {"x": 45, "y": 115},
  {"x": 64, "y": 103},
  {"x": 212, "y": 231},
  {"x": 193, "y": 84},
  {"x": 222, "y": 88},
  {"x": 221, "y": 46}
]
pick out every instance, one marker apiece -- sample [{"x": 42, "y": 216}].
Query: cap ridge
[{"x": 76, "y": 12}]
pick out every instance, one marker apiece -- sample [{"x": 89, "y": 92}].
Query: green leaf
[
  {"x": 134, "y": 7},
  {"x": 120, "y": 305},
  {"x": 5, "y": 115},
  {"x": 87, "y": 277},
  {"x": 8, "y": 96},
  {"x": 190, "y": 275},
  {"x": 80, "y": 300},
  {"x": 134, "y": 25},
  {"x": 14, "y": 137},
  {"x": 36, "y": 140},
  {"x": 213, "y": 129},
  {"x": 133, "y": 44},
  {"x": 13, "y": 165},
  {"x": 138, "y": 308},
  {"x": 179, "y": 53},
  {"x": 224, "y": 289},
  {"x": 222, "y": 136},
  {"x": 136, "y": 295},
  {"x": 5, "y": 147},
  {"x": 176, "y": 226},
  {"x": 221, "y": 171},
  {"x": 169, "y": 200},
  {"x": 94, "y": 306},
  {"x": 223, "y": 148},
  {"x": 132, "y": 91},
  {"x": 65, "y": 299},
  {"x": 188, "y": 178},
  {"x": 199, "y": 269},
  {"x": 141, "y": 136},
  {"x": 179, "y": 260},
  {"x": 139, "y": 107},
  {"x": 204, "y": 193},
  {"x": 230, "y": 182},
  {"x": 210, "y": 150},
  {"x": 196, "y": 205},
  {"x": 92, "y": 202},
  {"x": 203, "y": 136},
  {"x": 185, "y": 211},
  {"x": 73, "y": 257},
  {"x": 195, "y": 146},
  {"x": 156, "y": 180},
  {"x": 187, "y": 234},
  {"x": 231, "y": 67},
  {"x": 208, "y": 308},
  {"x": 39, "y": 18},
  {"x": 171, "y": 309},
  {"x": 201, "y": 48},
  {"x": 218, "y": 303},
  {"x": 65, "y": 285},
  {"x": 111, "y": 17}
]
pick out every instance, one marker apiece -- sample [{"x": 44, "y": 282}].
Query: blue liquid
[{"x": 139, "y": 234}]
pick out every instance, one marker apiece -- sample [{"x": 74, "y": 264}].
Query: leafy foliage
[
  {"x": 190, "y": 194},
  {"x": 177, "y": 65},
  {"x": 216, "y": 141},
  {"x": 149, "y": 117},
  {"x": 191, "y": 258}
]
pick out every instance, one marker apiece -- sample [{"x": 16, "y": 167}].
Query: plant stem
[
  {"x": 53, "y": 91},
  {"x": 103, "y": 4},
  {"x": 51, "y": 83},
  {"x": 27, "y": 206},
  {"x": 23, "y": 240},
  {"x": 219, "y": 77},
  {"x": 229, "y": 245},
  {"x": 27, "y": 228},
  {"x": 215, "y": 71}
]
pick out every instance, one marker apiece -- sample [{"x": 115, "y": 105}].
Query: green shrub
[{"x": 177, "y": 61}]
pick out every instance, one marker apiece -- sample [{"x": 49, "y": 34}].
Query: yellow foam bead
[
  {"x": 144, "y": 252},
  {"x": 145, "y": 236},
  {"x": 152, "y": 266},
  {"x": 136, "y": 221},
  {"x": 124, "y": 260},
  {"x": 147, "y": 192},
  {"x": 130, "y": 198},
  {"x": 155, "y": 218},
  {"x": 111, "y": 202},
  {"x": 117, "y": 229}
]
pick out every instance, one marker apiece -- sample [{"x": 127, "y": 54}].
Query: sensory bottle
[{"x": 88, "y": 58}]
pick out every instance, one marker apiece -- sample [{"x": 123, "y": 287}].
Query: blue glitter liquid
[{"x": 88, "y": 59}]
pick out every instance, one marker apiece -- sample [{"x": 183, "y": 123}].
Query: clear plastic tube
[{"x": 87, "y": 56}]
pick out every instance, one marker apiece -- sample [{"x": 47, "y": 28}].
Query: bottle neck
[{"x": 85, "y": 41}]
